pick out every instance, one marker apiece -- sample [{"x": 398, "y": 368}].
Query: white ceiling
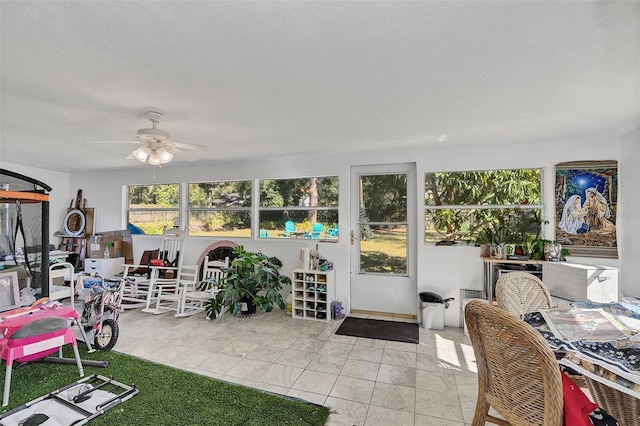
[{"x": 263, "y": 79}]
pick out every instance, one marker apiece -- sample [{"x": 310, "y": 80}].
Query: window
[
  {"x": 310, "y": 203},
  {"x": 459, "y": 205},
  {"x": 152, "y": 208},
  {"x": 221, "y": 209},
  {"x": 383, "y": 224}
]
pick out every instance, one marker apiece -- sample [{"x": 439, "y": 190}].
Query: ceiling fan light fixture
[
  {"x": 165, "y": 156},
  {"x": 154, "y": 158},
  {"x": 142, "y": 153}
]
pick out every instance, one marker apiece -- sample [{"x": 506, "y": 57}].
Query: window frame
[
  {"x": 177, "y": 210},
  {"x": 294, "y": 208},
  {"x": 254, "y": 210},
  {"x": 250, "y": 209},
  {"x": 506, "y": 207}
]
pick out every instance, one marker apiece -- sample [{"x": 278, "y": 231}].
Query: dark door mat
[{"x": 379, "y": 329}]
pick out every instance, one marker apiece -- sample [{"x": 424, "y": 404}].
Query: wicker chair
[
  {"x": 521, "y": 292},
  {"x": 518, "y": 374},
  {"x": 623, "y": 407}
]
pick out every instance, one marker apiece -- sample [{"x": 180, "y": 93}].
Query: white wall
[
  {"x": 441, "y": 269},
  {"x": 447, "y": 269},
  {"x": 59, "y": 198},
  {"x": 629, "y": 214}
]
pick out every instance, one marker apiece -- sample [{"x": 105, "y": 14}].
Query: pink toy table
[{"x": 32, "y": 333}]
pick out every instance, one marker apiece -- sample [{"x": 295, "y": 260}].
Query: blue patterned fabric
[
  {"x": 631, "y": 310},
  {"x": 619, "y": 353}
]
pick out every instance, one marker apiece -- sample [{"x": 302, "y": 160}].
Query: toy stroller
[{"x": 102, "y": 307}]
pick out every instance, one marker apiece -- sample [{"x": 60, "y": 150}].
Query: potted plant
[
  {"x": 485, "y": 239},
  {"x": 495, "y": 236},
  {"x": 538, "y": 250},
  {"x": 252, "y": 281}
]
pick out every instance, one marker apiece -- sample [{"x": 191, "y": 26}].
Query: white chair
[
  {"x": 169, "y": 295},
  {"x": 62, "y": 270},
  {"x": 66, "y": 270},
  {"x": 194, "y": 295},
  {"x": 163, "y": 271}
]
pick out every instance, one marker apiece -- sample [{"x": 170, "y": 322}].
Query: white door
[{"x": 383, "y": 239}]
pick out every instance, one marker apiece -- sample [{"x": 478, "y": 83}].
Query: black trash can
[{"x": 431, "y": 308}]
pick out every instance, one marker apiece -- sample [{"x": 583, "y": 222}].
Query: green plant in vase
[
  {"x": 497, "y": 236},
  {"x": 538, "y": 251},
  {"x": 527, "y": 244},
  {"x": 251, "y": 282}
]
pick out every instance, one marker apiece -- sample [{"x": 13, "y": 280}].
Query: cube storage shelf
[{"x": 312, "y": 293}]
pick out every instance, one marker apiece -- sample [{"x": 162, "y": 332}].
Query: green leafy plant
[
  {"x": 527, "y": 244},
  {"x": 537, "y": 250},
  {"x": 513, "y": 228},
  {"x": 496, "y": 233},
  {"x": 252, "y": 277}
]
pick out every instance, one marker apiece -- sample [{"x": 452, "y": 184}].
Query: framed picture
[
  {"x": 9, "y": 291},
  {"x": 586, "y": 194}
]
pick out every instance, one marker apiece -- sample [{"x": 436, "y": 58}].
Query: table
[
  {"x": 609, "y": 363},
  {"x": 33, "y": 333},
  {"x": 489, "y": 271}
]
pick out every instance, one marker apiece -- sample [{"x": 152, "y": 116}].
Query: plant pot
[
  {"x": 509, "y": 249},
  {"x": 247, "y": 307},
  {"x": 552, "y": 252},
  {"x": 485, "y": 250}
]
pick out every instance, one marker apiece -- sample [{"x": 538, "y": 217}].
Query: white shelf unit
[{"x": 312, "y": 292}]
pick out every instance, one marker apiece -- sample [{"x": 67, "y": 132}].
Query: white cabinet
[
  {"x": 106, "y": 268},
  {"x": 312, "y": 293},
  {"x": 573, "y": 281}
]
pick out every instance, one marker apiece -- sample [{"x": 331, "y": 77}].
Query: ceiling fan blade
[
  {"x": 190, "y": 146},
  {"x": 181, "y": 155},
  {"x": 113, "y": 142}
]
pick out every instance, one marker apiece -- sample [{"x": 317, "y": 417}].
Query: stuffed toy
[{"x": 27, "y": 296}]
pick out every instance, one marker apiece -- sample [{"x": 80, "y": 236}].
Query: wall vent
[{"x": 465, "y": 293}]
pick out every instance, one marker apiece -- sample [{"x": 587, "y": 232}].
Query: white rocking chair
[
  {"x": 194, "y": 295},
  {"x": 168, "y": 295},
  {"x": 162, "y": 271}
]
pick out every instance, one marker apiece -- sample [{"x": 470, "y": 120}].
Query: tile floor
[{"x": 363, "y": 381}]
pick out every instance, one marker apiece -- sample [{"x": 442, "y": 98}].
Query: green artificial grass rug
[{"x": 168, "y": 396}]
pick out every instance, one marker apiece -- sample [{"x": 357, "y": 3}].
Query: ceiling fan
[{"x": 157, "y": 144}]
